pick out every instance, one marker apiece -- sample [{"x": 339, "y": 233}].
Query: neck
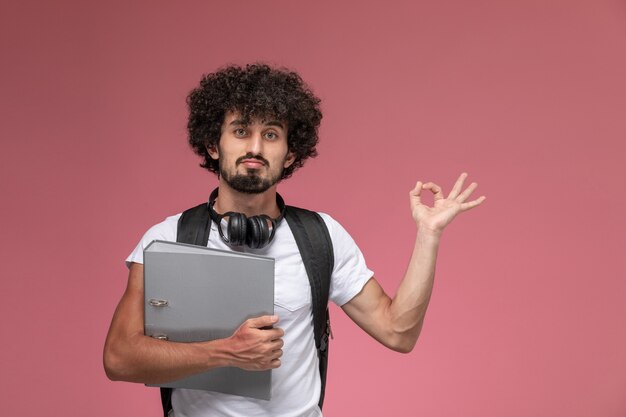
[{"x": 248, "y": 204}]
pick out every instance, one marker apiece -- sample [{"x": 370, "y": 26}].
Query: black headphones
[{"x": 255, "y": 232}]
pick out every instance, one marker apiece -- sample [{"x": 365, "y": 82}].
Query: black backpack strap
[
  {"x": 194, "y": 226},
  {"x": 166, "y": 401},
  {"x": 316, "y": 249}
]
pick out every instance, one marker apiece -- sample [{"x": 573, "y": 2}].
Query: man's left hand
[{"x": 445, "y": 209}]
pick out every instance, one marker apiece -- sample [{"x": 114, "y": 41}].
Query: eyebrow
[{"x": 242, "y": 122}]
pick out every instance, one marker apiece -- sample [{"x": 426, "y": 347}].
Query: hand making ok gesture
[{"x": 435, "y": 219}]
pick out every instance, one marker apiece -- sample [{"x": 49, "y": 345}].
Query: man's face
[{"x": 252, "y": 155}]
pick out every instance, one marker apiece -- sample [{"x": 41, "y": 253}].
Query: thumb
[
  {"x": 415, "y": 192},
  {"x": 263, "y": 321}
]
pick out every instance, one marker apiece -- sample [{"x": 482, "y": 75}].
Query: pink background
[{"x": 529, "y": 97}]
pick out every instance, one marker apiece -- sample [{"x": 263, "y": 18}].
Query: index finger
[{"x": 262, "y": 321}]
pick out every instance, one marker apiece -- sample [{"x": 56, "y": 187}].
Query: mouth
[{"x": 252, "y": 162}]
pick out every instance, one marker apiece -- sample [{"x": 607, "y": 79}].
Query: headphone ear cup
[
  {"x": 255, "y": 232},
  {"x": 237, "y": 225},
  {"x": 258, "y": 232}
]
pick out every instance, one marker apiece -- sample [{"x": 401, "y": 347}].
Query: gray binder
[{"x": 195, "y": 294}]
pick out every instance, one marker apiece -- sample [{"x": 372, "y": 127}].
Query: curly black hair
[{"x": 256, "y": 91}]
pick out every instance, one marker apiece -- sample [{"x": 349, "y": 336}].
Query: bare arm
[
  {"x": 129, "y": 355},
  {"x": 397, "y": 322}
]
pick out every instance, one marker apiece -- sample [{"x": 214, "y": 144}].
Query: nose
[{"x": 255, "y": 144}]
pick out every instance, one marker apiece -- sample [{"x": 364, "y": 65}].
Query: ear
[
  {"x": 212, "y": 151},
  {"x": 291, "y": 157}
]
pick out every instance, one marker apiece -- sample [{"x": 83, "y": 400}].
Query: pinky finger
[{"x": 471, "y": 204}]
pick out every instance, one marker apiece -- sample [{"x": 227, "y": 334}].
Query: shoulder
[
  {"x": 165, "y": 230},
  {"x": 331, "y": 224},
  {"x": 334, "y": 227},
  {"x": 340, "y": 238}
]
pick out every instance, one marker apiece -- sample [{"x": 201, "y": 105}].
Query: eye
[
  {"x": 271, "y": 136},
  {"x": 240, "y": 132}
]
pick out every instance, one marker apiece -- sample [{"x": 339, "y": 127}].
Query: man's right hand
[{"x": 255, "y": 345}]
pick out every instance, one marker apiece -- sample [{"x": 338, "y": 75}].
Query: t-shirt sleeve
[
  {"x": 350, "y": 273},
  {"x": 166, "y": 230}
]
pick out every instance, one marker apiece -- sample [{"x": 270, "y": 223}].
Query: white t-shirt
[{"x": 296, "y": 383}]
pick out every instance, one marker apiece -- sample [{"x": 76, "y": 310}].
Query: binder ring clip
[
  {"x": 159, "y": 336},
  {"x": 158, "y": 303}
]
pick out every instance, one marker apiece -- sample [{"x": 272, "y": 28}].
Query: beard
[{"x": 250, "y": 182}]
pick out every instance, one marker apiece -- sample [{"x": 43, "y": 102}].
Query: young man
[{"x": 254, "y": 126}]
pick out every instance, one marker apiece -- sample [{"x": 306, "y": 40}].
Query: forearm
[
  {"x": 131, "y": 356},
  {"x": 407, "y": 310},
  {"x": 397, "y": 322},
  {"x": 139, "y": 358}
]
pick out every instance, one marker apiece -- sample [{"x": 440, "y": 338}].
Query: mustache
[{"x": 251, "y": 156}]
